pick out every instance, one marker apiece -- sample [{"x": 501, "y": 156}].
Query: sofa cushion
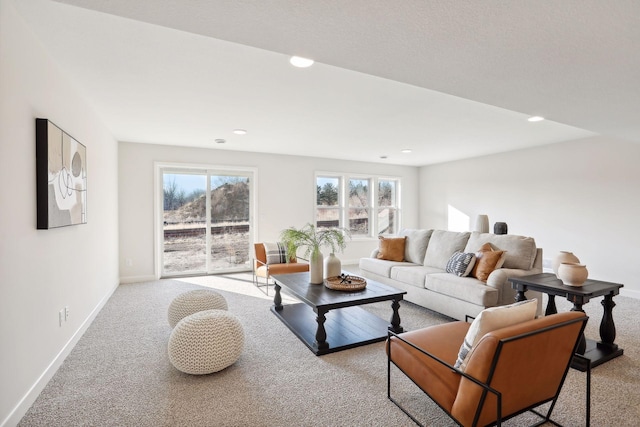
[
  {"x": 521, "y": 251},
  {"x": 391, "y": 248},
  {"x": 379, "y": 266},
  {"x": 461, "y": 263},
  {"x": 463, "y": 288},
  {"x": 413, "y": 275},
  {"x": 487, "y": 260},
  {"x": 494, "y": 318},
  {"x": 442, "y": 245},
  {"x": 416, "y": 245}
]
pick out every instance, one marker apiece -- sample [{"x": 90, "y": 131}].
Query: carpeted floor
[{"x": 119, "y": 373}]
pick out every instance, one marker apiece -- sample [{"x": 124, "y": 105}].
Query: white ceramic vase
[
  {"x": 573, "y": 274},
  {"x": 332, "y": 266},
  {"x": 482, "y": 224},
  {"x": 316, "y": 268},
  {"x": 563, "y": 256}
]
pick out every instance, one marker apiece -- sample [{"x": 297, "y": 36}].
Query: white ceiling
[{"x": 448, "y": 79}]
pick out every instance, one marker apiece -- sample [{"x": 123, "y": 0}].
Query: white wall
[
  {"x": 285, "y": 189},
  {"x": 582, "y": 196},
  {"x": 41, "y": 271}
]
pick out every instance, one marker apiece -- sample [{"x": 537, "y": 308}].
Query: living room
[{"x": 578, "y": 194}]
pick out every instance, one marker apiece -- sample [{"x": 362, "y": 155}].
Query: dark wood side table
[{"x": 597, "y": 352}]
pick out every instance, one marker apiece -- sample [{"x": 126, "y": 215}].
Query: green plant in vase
[{"x": 311, "y": 239}]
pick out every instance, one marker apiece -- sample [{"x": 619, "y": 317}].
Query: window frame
[
  {"x": 207, "y": 169},
  {"x": 396, "y": 207}
]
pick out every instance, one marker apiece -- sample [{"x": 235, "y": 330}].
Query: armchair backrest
[
  {"x": 527, "y": 363},
  {"x": 261, "y": 254}
]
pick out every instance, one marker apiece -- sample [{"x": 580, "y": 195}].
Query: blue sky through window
[{"x": 186, "y": 182}]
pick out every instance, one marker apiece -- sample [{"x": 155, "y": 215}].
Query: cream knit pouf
[
  {"x": 194, "y": 301},
  {"x": 206, "y": 342}
]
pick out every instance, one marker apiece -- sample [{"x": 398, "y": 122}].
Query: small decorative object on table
[
  {"x": 332, "y": 266},
  {"x": 572, "y": 273},
  {"x": 563, "y": 256},
  {"x": 345, "y": 282},
  {"x": 500, "y": 228},
  {"x": 311, "y": 239},
  {"x": 482, "y": 224}
]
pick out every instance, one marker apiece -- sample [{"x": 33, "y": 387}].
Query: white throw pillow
[{"x": 491, "y": 319}]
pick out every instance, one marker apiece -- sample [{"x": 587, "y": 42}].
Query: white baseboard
[
  {"x": 30, "y": 397},
  {"x": 631, "y": 293},
  {"x": 136, "y": 279}
]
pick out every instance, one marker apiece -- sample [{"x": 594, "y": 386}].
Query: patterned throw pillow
[
  {"x": 461, "y": 264},
  {"x": 276, "y": 253},
  {"x": 491, "y": 319}
]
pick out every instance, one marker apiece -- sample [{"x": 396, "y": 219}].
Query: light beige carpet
[{"x": 119, "y": 373}]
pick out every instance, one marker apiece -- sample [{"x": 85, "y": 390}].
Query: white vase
[
  {"x": 482, "y": 224},
  {"x": 315, "y": 268},
  {"x": 332, "y": 266},
  {"x": 563, "y": 256},
  {"x": 573, "y": 274}
]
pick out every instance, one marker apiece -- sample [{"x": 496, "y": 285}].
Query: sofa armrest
[{"x": 499, "y": 279}]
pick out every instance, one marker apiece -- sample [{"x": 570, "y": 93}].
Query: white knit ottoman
[
  {"x": 206, "y": 342},
  {"x": 194, "y": 301}
]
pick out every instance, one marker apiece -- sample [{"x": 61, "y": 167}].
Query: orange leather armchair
[
  {"x": 263, "y": 270},
  {"x": 511, "y": 370}
]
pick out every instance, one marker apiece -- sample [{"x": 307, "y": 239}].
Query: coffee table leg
[
  {"x": 395, "y": 318},
  {"x": 277, "y": 299},
  {"x": 607, "y": 327},
  {"x": 321, "y": 335},
  {"x": 551, "y": 306}
]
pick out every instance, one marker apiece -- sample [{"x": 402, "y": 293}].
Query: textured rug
[{"x": 119, "y": 373}]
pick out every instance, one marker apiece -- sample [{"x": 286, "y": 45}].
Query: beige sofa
[{"x": 423, "y": 274}]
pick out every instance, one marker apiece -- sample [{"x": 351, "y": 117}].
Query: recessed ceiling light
[
  {"x": 240, "y": 131},
  {"x": 383, "y": 157},
  {"x": 300, "y": 62},
  {"x": 535, "y": 119},
  {"x": 406, "y": 151},
  {"x": 220, "y": 141}
]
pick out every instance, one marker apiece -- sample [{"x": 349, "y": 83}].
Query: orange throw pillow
[
  {"x": 391, "y": 248},
  {"x": 487, "y": 260}
]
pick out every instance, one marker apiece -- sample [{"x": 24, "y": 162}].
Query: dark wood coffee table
[
  {"x": 598, "y": 352},
  {"x": 327, "y": 320}
]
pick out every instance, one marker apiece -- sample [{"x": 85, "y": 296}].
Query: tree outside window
[
  {"x": 327, "y": 202},
  {"x": 359, "y": 206},
  {"x": 387, "y": 207}
]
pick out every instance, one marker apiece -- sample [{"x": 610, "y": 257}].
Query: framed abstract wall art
[{"x": 61, "y": 177}]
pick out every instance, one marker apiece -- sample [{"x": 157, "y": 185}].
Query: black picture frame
[{"x": 61, "y": 177}]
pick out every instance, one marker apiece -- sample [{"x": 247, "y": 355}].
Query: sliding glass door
[
  {"x": 207, "y": 221},
  {"x": 230, "y": 222}
]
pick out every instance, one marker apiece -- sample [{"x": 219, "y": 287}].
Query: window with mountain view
[{"x": 207, "y": 223}]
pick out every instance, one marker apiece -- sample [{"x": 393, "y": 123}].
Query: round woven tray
[{"x": 345, "y": 283}]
